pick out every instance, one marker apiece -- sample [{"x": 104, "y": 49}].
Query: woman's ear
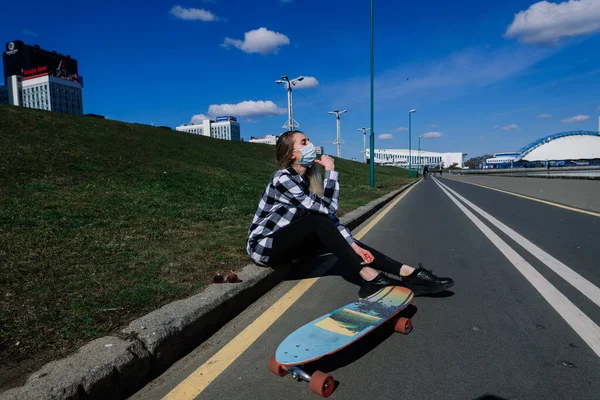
[{"x": 294, "y": 157}]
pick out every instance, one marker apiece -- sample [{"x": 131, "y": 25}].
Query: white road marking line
[
  {"x": 581, "y": 323},
  {"x": 586, "y": 287}
]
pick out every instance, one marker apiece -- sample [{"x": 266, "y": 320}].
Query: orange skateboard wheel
[
  {"x": 322, "y": 384},
  {"x": 403, "y": 325},
  {"x": 276, "y": 368}
]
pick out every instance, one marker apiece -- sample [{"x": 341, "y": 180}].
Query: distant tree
[{"x": 471, "y": 162}]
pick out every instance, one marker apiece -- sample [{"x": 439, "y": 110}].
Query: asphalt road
[
  {"x": 510, "y": 328},
  {"x": 582, "y": 194}
]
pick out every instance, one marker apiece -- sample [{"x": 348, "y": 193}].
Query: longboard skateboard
[{"x": 336, "y": 330}]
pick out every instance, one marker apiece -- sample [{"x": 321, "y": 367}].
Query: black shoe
[
  {"x": 423, "y": 281},
  {"x": 373, "y": 286}
]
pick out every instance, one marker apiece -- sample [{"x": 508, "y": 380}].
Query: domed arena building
[{"x": 559, "y": 150}]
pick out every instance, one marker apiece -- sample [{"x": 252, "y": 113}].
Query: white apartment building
[
  {"x": 400, "y": 157},
  {"x": 268, "y": 139},
  {"x": 226, "y": 128},
  {"x": 43, "y": 92}
]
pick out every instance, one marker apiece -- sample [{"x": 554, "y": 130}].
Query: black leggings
[{"x": 312, "y": 233}]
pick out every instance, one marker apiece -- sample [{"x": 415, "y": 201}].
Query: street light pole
[
  {"x": 420, "y": 157},
  {"x": 419, "y": 153},
  {"x": 409, "y": 142},
  {"x": 338, "y": 140},
  {"x": 290, "y": 124},
  {"x": 364, "y": 130},
  {"x": 372, "y": 141}
]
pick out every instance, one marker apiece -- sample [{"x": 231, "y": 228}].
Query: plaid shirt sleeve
[
  {"x": 295, "y": 194},
  {"x": 343, "y": 230}
]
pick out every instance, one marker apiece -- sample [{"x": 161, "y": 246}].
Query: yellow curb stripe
[
  {"x": 198, "y": 381},
  {"x": 195, "y": 383},
  {"x": 579, "y": 210}
]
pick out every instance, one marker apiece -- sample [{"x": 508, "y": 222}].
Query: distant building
[
  {"x": 400, "y": 157},
  {"x": 501, "y": 158},
  {"x": 268, "y": 139},
  {"x": 37, "y": 78},
  {"x": 225, "y": 127}
]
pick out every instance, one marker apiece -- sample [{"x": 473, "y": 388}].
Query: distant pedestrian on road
[
  {"x": 425, "y": 171},
  {"x": 295, "y": 217}
]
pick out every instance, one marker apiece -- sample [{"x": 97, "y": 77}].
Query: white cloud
[
  {"x": 546, "y": 23},
  {"x": 198, "y": 118},
  {"x": 247, "y": 108},
  {"x": 307, "y": 83},
  {"x": 544, "y": 116},
  {"x": 598, "y": 108},
  {"x": 402, "y": 129},
  {"x": 511, "y": 127},
  {"x": 577, "y": 118},
  {"x": 193, "y": 14},
  {"x": 433, "y": 135},
  {"x": 261, "y": 40},
  {"x": 496, "y": 126},
  {"x": 435, "y": 126},
  {"x": 29, "y": 32},
  {"x": 385, "y": 136}
]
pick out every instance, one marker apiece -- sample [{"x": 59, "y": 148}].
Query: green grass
[{"x": 102, "y": 221}]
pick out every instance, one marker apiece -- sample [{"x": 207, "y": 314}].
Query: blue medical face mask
[{"x": 309, "y": 154}]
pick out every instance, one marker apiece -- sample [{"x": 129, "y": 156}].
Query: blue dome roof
[{"x": 540, "y": 142}]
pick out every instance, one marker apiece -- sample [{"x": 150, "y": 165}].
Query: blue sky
[{"x": 485, "y": 76}]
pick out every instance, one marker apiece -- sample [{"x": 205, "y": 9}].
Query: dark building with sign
[
  {"x": 24, "y": 60},
  {"x": 37, "y": 78}
]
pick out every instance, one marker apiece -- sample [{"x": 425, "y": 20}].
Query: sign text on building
[{"x": 34, "y": 71}]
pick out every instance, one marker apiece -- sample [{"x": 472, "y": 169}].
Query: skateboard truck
[
  {"x": 320, "y": 383},
  {"x": 297, "y": 373}
]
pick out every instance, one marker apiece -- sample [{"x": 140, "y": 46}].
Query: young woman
[{"x": 295, "y": 216}]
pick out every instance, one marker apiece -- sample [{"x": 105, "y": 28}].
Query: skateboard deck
[{"x": 338, "y": 329}]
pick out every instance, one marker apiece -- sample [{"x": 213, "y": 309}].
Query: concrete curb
[{"x": 117, "y": 366}]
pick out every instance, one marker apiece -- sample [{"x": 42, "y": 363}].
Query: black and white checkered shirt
[{"x": 286, "y": 198}]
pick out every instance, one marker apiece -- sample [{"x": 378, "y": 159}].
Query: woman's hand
[
  {"x": 362, "y": 253},
  {"x": 326, "y": 162}
]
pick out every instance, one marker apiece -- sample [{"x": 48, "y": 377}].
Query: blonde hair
[{"x": 284, "y": 149}]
